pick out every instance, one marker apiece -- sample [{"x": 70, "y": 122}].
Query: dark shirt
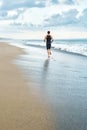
[{"x": 48, "y": 39}]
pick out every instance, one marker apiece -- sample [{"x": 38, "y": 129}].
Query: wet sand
[
  {"x": 19, "y": 109},
  {"x": 62, "y": 81}
]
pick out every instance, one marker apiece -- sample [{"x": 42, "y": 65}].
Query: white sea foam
[
  {"x": 71, "y": 46},
  {"x": 76, "y": 48}
]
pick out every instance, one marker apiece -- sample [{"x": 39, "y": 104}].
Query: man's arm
[
  {"x": 45, "y": 38},
  {"x": 52, "y": 39}
]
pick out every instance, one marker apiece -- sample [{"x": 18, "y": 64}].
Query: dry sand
[{"x": 19, "y": 109}]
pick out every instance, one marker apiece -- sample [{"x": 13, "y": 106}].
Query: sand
[{"x": 19, "y": 109}]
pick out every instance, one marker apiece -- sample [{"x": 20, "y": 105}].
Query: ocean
[
  {"x": 75, "y": 46},
  {"x": 61, "y": 81}
]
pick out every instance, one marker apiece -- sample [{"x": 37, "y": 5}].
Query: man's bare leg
[{"x": 48, "y": 51}]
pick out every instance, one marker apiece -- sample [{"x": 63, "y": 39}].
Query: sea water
[{"x": 75, "y": 46}]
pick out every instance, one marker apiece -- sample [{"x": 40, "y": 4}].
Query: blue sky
[{"x": 34, "y": 17}]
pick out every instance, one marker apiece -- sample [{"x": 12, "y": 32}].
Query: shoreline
[{"x": 19, "y": 109}]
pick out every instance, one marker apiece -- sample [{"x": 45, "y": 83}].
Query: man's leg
[{"x": 48, "y": 51}]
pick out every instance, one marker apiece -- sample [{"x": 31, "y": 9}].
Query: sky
[{"x": 31, "y": 19}]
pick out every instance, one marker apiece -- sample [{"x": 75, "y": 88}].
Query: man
[{"x": 48, "y": 39}]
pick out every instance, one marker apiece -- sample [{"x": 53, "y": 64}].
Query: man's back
[{"x": 48, "y": 38}]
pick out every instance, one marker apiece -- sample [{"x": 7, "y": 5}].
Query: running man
[{"x": 48, "y": 39}]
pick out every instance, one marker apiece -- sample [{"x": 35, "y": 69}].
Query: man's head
[{"x": 48, "y": 32}]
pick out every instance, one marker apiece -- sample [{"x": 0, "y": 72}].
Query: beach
[
  {"x": 37, "y": 92},
  {"x": 62, "y": 82},
  {"x": 19, "y": 108}
]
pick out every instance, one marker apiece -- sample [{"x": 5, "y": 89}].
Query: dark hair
[{"x": 48, "y": 32}]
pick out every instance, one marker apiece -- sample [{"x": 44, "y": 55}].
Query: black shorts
[{"x": 48, "y": 45}]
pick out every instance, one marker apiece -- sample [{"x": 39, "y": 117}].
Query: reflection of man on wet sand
[
  {"x": 46, "y": 64},
  {"x": 48, "y": 39},
  {"x": 45, "y": 72}
]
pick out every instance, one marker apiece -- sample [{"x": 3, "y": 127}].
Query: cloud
[
  {"x": 65, "y": 19},
  {"x": 83, "y": 19},
  {"x": 10, "y": 15},
  {"x": 69, "y": 2},
  {"x": 55, "y": 1},
  {"x": 68, "y": 20},
  {"x": 10, "y": 5},
  {"x": 44, "y": 13},
  {"x": 3, "y": 14}
]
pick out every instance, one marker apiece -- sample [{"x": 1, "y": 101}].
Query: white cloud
[
  {"x": 65, "y": 19},
  {"x": 30, "y": 16},
  {"x": 36, "y": 16},
  {"x": 48, "y": 3},
  {"x": 80, "y": 2},
  {"x": 12, "y": 13},
  {"x": 0, "y": 3},
  {"x": 66, "y": 2},
  {"x": 44, "y": 14}
]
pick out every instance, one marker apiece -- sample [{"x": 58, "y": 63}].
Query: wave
[
  {"x": 69, "y": 46},
  {"x": 73, "y": 47}
]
